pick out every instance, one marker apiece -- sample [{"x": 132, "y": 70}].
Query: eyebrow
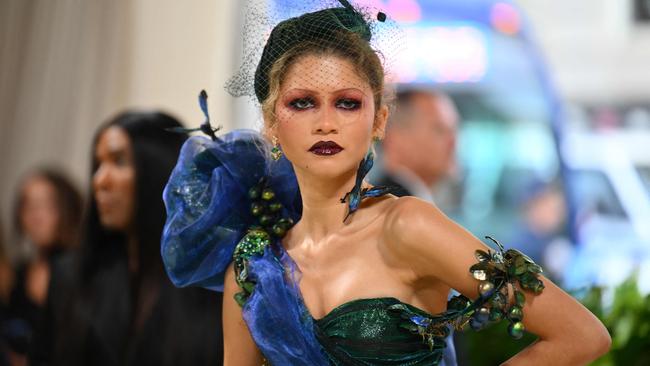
[
  {"x": 113, "y": 152},
  {"x": 333, "y": 92}
]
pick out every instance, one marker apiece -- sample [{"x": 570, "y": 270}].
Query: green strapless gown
[{"x": 375, "y": 332}]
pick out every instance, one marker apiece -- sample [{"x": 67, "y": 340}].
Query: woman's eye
[
  {"x": 302, "y": 103},
  {"x": 349, "y": 104},
  {"x": 120, "y": 160}
]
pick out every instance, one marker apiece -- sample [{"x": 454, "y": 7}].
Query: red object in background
[{"x": 505, "y": 18}]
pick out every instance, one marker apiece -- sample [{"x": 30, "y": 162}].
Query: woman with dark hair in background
[
  {"x": 47, "y": 215},
  {"x": 121, "y": 309}
]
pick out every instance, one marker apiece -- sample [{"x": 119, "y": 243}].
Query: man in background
[{"x": 420, "y": 144}]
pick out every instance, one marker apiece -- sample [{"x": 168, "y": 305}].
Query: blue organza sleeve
[{"x": 208, "y": 209}]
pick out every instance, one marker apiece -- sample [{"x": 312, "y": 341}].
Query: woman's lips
[{"x": 326, "y": 148}]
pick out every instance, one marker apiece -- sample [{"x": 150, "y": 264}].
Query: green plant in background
[
  {"x": 626, "y": 316},
  {"x": 628, "y": 322}
]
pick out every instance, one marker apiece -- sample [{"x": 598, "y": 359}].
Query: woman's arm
[
  {"x": 435, "y": 247},
  {"x": 238, "y": 346}
]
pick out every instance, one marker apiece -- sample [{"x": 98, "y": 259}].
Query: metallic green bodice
[{"x": 374, "y": 332}]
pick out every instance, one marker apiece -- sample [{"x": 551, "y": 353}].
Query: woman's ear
[{"x": 381, "y": 118}]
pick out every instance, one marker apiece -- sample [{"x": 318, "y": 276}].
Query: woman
[
  {"x": 354, "y": 283},
  {"x": 116, "y": 307},
  {"x": 47, "y": 215}
]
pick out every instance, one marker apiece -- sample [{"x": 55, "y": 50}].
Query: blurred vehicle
[{"x": 609, "y": 175}]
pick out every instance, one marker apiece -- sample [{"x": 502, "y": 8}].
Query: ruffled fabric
[
  {"x": 280, "y": 324},
  {"x": 208, "y": 206}
]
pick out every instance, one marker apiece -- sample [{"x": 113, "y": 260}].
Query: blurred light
[
  {"x": 455, "y": 53},
  {"x": 403, "y": 11},
  {"x": 505, "y": 18},
  {"x": 606, "y": 119}
]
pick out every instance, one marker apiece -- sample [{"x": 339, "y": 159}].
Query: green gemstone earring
[{"x": 276, "y": 153}]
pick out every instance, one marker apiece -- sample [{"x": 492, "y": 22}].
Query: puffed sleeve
[{"x": 207, "y": 204}]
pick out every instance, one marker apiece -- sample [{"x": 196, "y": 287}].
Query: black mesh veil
[{"x": 271, "y": 28}]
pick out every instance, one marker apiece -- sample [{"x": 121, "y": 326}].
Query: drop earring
[{"x": 276, "y": 153}]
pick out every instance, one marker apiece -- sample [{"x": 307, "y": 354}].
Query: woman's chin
[{"x": 329, "y": 166}]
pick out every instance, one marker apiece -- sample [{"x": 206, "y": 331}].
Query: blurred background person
[
  {"x": 47, "y": 215},
  {"x": 420, "y": 144},
  {"x": 114, "y": 304},
  {"x": 543, "y": 224}
]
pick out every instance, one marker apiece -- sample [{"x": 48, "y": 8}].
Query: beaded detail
[
  {"x": 267, "y": 210},
  {"x": 494, "y": 271}
]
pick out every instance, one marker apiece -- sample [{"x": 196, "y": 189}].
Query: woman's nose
[
  {"x": 101, "y": 178},
  {"x": 326, "y": 122}
]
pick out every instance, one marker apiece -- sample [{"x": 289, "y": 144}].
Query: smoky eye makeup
[
  {"x": 301, "y": 103},
  {"x": 351, "y": 99},
  {"x": 348, "y": 104},
  {"x": 345, "y": 100}
]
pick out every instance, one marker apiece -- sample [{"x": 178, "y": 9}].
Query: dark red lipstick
[{"x": 326, "y": 148}]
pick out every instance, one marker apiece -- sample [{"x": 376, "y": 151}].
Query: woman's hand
[
  {"x": 239, "y": 349},
  {"x": 420, "y": 236}
]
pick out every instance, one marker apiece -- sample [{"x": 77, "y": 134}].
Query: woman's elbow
[
  {"x": 596, "y": 342},
  {"x": 602, "y": 342}
]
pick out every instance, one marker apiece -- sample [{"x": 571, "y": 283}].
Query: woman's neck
[{"x": 322, "y": 210}]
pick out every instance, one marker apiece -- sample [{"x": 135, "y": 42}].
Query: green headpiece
[{"x": 319, "y": 27}]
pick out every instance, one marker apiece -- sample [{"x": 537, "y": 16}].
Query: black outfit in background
[
  {"x": 182, "y": 329},
  {"x": 23, "y": 316},
  {"x": 3, "y": 342}
]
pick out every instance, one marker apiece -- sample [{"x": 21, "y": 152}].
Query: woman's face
[
  {"x": 114, "y": 180},
  {"x": 325, "y": 116},
  {"x": 39, "y": 215}
]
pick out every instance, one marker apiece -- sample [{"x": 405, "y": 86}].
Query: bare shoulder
[
  {"x": 419, "y": 235},
  {"x": 407, "y": 218}
]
